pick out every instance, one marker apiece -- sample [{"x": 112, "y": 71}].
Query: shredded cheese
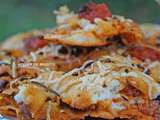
[
  {"x": 49, "y": 110},
  {"x": 14, "y": 67},
  {"x": 104, "y": 83},
  {"x": 34, "y": 57}
]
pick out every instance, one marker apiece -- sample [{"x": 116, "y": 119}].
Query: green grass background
[{"x": 23, "y": 15}]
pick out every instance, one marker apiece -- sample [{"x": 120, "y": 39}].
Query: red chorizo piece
[
  {"x": 31, "y": 73},
  {"x": 143, "y": 52},
  {"x": 131, "y": 91},
  {"x": 34, "y": 43},
  {"x": 151, "y": 109},
  {"x": 92, "y": 10}
]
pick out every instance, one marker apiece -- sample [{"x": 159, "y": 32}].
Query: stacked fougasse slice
[{"x": 92, "y": 65}]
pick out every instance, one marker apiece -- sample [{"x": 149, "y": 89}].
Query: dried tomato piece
[
  {"x": 92, "y": 10},
  {"x": 131, "y": 91},
  {"x": 31, "y": 73},
  {"x": 34, "y": 43},
  {"x": 144, "y": 52},
  {"x": 152, "y": 109}
]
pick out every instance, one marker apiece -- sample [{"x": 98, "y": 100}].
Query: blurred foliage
[{"x": 23, "y": 15}]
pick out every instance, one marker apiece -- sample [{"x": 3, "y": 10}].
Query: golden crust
[
  {"x": 80, "y": 93},
  {"x": 98, "y": 33},
  {"x": 16, "y": 41}
]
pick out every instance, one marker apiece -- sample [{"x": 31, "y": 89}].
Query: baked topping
[
  {"x": 91, "y": 65},
  {"x": 91, "y": 11}
]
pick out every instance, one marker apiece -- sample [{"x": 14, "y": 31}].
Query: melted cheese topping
[
  {"x": 103, "y": 80},
  {"x": 32, "y": 96}
]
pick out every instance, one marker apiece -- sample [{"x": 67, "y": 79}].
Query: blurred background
[{"x": 24, "y": 15}]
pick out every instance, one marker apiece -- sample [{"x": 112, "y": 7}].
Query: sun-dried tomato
[
  {"x": 144, "y": 52},
  {"x": 131, "y": 91},
  {"x": 35, "y": 43},
  {"x": 92, "y": 10},
  {"x": 152, "y": 109}
]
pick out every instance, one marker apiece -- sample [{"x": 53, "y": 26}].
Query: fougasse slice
[
  {"x": 104, "y": 88},
  {"x": 93, "y": 26}
]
